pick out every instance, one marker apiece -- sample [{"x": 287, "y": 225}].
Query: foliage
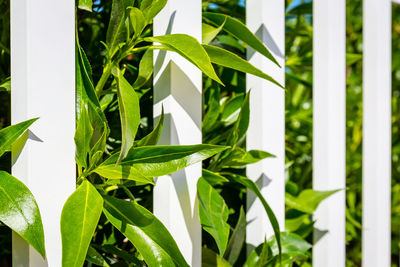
[{"x": 114, "y": 132}]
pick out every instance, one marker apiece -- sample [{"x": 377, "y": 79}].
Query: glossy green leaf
[
  {"x": 149, "y": 236},
  {"x": 230, "y": 60},
  {"x": 137, "y": 19},
  {"x": 237, "y": 239},
  {"x": 212, "y": 259},
  {"x": 95, "y": 257},
  {"x": 308, "y": 200},
  {"x": 19, "y": 211},
  {"x": 117, "y": 29},
  {"x": 213, "y": 111},
  {"x": 11, "y": 133},
  {"x": 129, "y": 111},
  {"x": 209, "y": 32},
  {"x": 246, "y": 182},
  {"x": 151, "y": 8},
  {"x": 213, "y": 178},
  {"x": 152, "y": 138},
  {"x": 83, "y": 135},
  {"x": 240, "y": 127},
  {"x": 231, "y": 110},
  {"x": 143, "y": 163},
  {"x": 213, "y": 213},
  {"x": 85, "y": 5},
  {"x": 145, "y": 69},
  {"x": 240, "y": 157},
  {"x": 85, "y": 93},
  {"x": 188, "y": 47},
  {"x": 240, "y": 31},
  {"x": 291, "y": 244},
  {"x": 79, "y": 219}
]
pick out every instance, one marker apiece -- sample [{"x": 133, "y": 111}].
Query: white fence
[{"x": 50, "y": 144}]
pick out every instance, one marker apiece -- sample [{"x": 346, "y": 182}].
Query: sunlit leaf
[
  {"x": 79, "y": 219},
  {"x": 11, "y": 133},
  {"x": 145, "y": 231},
  {"x": 228, "y": 59},
  {"x": 213, "y": 213},
  {"x": 189, "y": 48},
  {"x": 240, "y": 31},
  {"x": 19, "y": 211}
]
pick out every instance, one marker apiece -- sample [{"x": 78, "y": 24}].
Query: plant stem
[{"x": 103, "y": 79}]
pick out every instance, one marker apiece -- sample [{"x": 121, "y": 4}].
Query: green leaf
[
  {"x": 213, "y": 178},
  {"x": 189, "y": 48},
  {"x": 79, "y": 219},
  {"x": 239, "y": 31},
  {"x": 83, "y": 135},
  {"x": 11, "y": 133},
  {"x": 259, "y": 256},
  {"x": 143, "y": 163},
  {"x": 308, "y": 200},
  {"x": 230, "y": 60},
  {"x": 85, "y": 93},
  {"x": 240, "y": 127},
  {"x": 212, "y": 114},
  {"x": 232, "y": 110},
  {"x": 137, "y": 19},
  {"x": 145, "y": 231},
  {"x": 19, "y": 211},
  {"x": 237, "y": 239},
  {"x": 240, "y": 157},
  {"x": 209, "y": 32},
  {"x": 212, "y": 259},
  {"x": 352, "y": 58},
  {"x": 95, "y": 257},
  {"x": 151, "y": 8},
  {"x": 145, "y": 69},
  {"x": 117, "y": 29},
  {"x": 152, "y": 138},
  {"x": 213, "y": 213},
  {"x": 6, "y": 85},
  {"x": 129, "y": 110},
  {"x": 292, "y": 244},
  {"x": 246, "y": 182},
  {"x": 85, "y": 5}
]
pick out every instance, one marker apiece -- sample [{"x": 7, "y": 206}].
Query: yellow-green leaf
[
  {"x": 79, "y": 219},
  {"x": 188, "y": 47},
  {"x": 19, "y": 211}
]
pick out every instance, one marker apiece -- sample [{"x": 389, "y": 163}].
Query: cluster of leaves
[
  {"x": 113, "y": 163},
  {"x": 115, "y": 169}
]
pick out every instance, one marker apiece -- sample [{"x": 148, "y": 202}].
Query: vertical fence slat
[
  {"x": 178, "y": 87},
  {"x": 329, "y": 132},
  {"x": 376, "y": 133},
  {"x": 267, "y": 118},
  {"x": 43, "y": 85}
]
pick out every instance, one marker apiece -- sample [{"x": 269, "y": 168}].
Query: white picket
[
  {"x": 376, "y": 133},
  {"x": 329, "y": 132},
  {"x": 43, "y": 85},
  {"x": 178, "y": 87},
  {"x": 267, "y": 118}
]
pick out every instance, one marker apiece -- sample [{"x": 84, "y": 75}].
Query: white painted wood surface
[
  {"x": 329, "y": 129},
  {"x": 43, "y": 85},
  {"x": 376, "y": 133},
  {"x": 178, "y": 87},
  {"x": 267, "y": 118}
]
